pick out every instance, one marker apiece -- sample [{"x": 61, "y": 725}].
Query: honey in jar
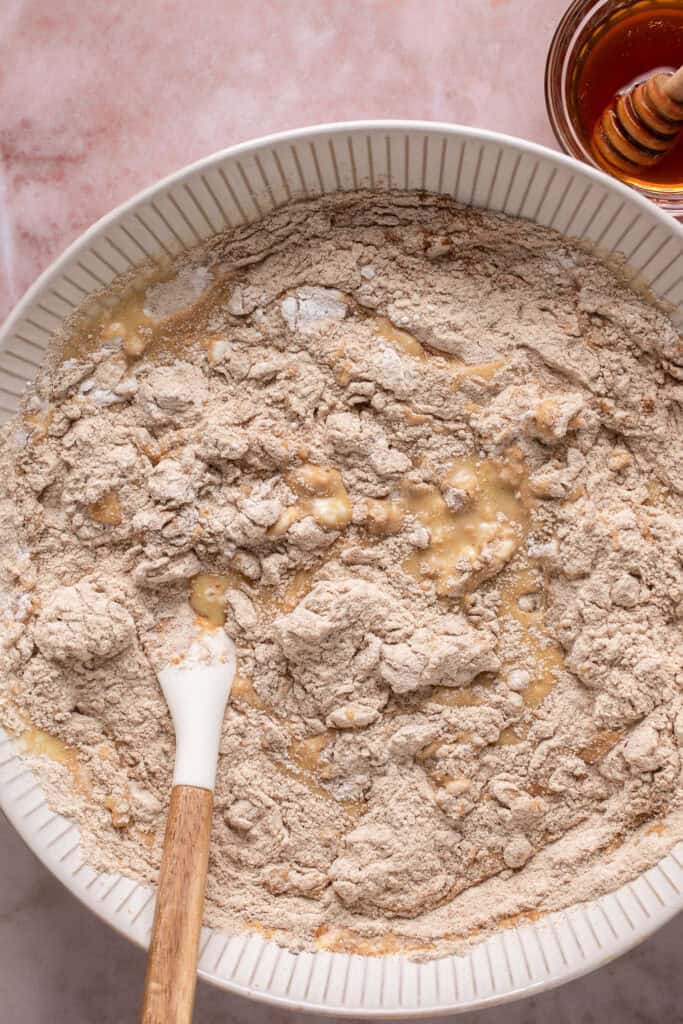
[{"x": 637, "y": 41}]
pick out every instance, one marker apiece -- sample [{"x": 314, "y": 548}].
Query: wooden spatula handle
[{"x": 172, "y": 963}]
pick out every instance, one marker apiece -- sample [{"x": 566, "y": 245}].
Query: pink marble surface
[{"x": 100, "y": 98}]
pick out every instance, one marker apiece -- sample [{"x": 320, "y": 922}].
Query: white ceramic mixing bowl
[{"x": 240, "y": 185}]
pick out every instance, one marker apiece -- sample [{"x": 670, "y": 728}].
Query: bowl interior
[{"x": 240, "y": 186}]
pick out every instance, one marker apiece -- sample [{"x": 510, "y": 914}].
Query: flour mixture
[{"x": 427, "y": 466}]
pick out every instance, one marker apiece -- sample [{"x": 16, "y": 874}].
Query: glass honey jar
[{"x": 601, "y": 48}]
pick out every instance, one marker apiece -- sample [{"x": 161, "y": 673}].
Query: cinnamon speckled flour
[{"x": 426, "y": 464}]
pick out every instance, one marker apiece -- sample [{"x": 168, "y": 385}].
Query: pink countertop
[{"x": 100, "y": 99}]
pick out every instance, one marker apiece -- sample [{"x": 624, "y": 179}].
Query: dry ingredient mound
[{"x": 427, "y": 465}]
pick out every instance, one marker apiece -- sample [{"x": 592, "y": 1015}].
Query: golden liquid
[
  {"x": 512, "y": 735},
  {"x": 496, "y": 513},
  {"x": 401, "y": 340},
  {"x": 243, "y": 692},
  {"x": 333, "y": 939},
  {"x": 407, "y": 344},
  {"x": 451, "y": 698},
  {"x": 306, "y": 753},
  {"x": 321, "y": 494},
  {"x": 124, "y": 317},
  {"x": 39, "y": 743},
  {"x": 207, "y": 595},
  {"x": 39, "y": 423},
  {"x": 545, "y": 654},
  {"x": 107, "y": 510}
]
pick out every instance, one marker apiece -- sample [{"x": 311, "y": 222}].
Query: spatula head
[{"x": 196, "y": 684}]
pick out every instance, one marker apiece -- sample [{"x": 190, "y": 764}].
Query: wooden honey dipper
[{"x": 642, "y": 125}]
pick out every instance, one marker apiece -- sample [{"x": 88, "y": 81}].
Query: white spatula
[{"x": 196, "y": 685}]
